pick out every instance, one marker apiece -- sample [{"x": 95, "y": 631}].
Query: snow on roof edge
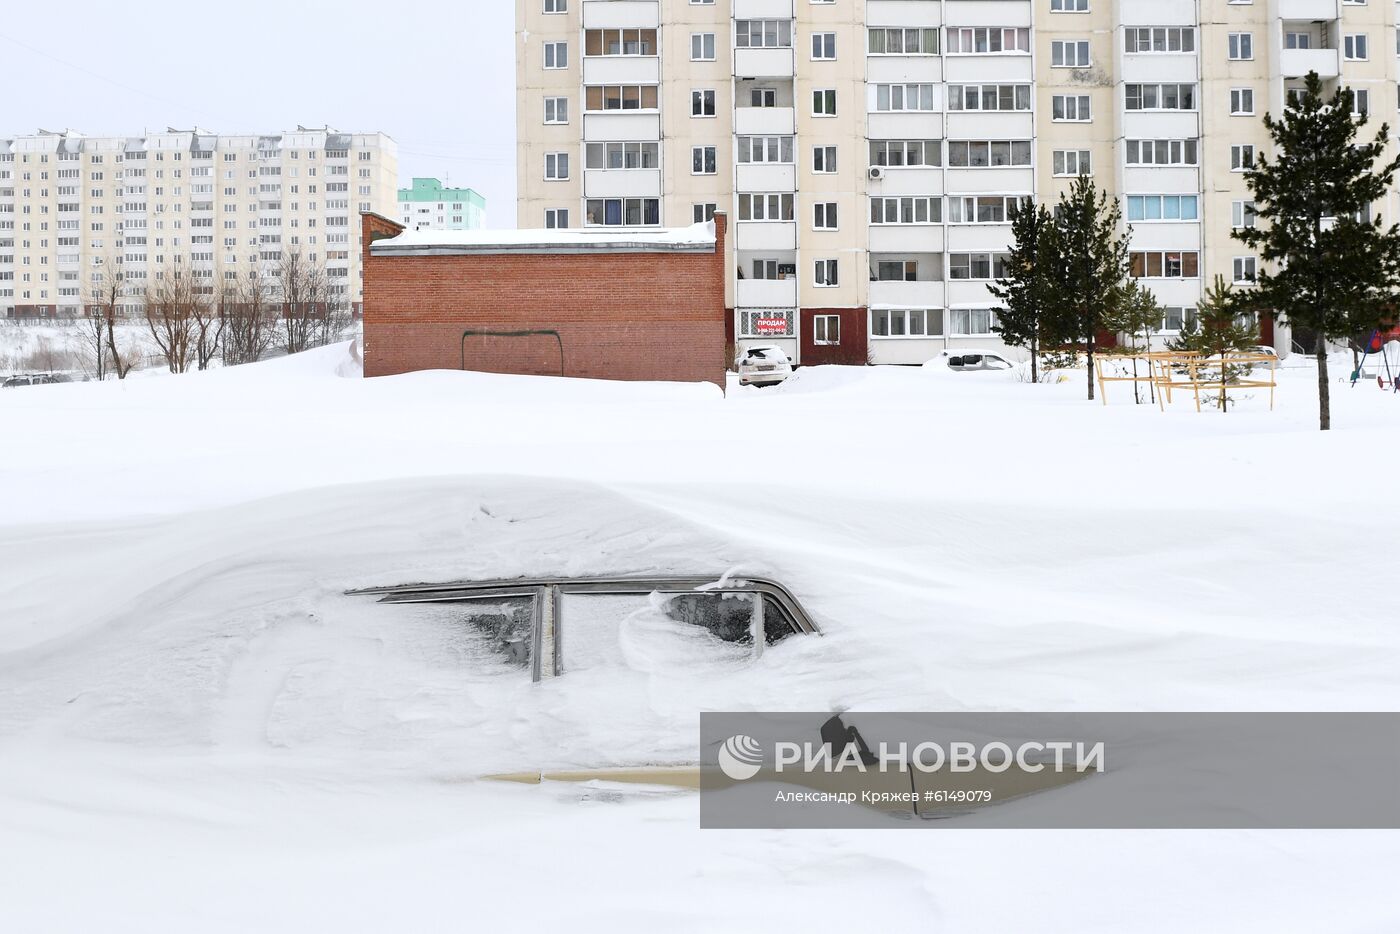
[{"x": 586, "y": 239}]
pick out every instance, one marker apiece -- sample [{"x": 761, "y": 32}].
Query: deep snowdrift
[{"x": 202, "y": 732}]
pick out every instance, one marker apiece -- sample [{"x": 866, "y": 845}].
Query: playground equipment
[
  {"x": 1379, "y": 343},
  {"x": 1170, "y": 370}
]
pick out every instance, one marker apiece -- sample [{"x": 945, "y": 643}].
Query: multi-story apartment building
[
  {"x": 867, "y": 150},
  {"x": 222, "y": 208},
  {"x": 426, "y": 205}
]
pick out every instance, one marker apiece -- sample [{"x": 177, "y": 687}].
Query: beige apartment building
[
  {"x": 866, "y": 151},
  {"x": 219, "y": 208}
]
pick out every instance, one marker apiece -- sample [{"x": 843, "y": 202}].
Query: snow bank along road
[{"x": 198, "y": 731}]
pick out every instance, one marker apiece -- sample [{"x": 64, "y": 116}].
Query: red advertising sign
[{"x": 771, "y": 325}]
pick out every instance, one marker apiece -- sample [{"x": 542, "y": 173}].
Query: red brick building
[{"x": 595, "y": 302}]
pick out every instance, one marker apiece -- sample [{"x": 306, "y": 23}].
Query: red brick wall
[
  {"x": 852, "y": 349},
  {"x": 648, "y": 316}
]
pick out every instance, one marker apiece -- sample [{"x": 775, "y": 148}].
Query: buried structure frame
[{"x": 775, "y": 613}]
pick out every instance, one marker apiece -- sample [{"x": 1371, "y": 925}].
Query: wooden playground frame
[{"x": 1198, "y": 372}]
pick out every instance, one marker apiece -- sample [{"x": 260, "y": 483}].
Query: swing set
[{"x": 1377, "y": 344}]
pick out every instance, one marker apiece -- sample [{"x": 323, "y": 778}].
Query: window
[
  {"x": 918, "y": 41},
  {"x": 989, "y": 97},
  {"x": 702, "y": 47},
  {"x": 824, "y": 102},
  {"x": 761, "y": 322},
  {"x": 556, "y": 55},
  {"x": 1164, "y": 264},
  {"x": 982, "y": 209},
  {"x": 1244, "y": 270},
  {"x": 702, "y": 2},
  {"x": 556, "y": 218},
  {"x": 1069, "y": 54},
  {"x": 620, "y": 97},
  {"x": 987, "y": 40},
  {"x": 826, "y": 273},
  {"x": 1139, "y": 40},
  {"x": 772, "y": 149},
  {"x": 895, "y": 271},
  {"x": 1360, "y": 100},
  {"x": 1297, "y": 40},
  {"x": 621, "y": 155},
  {"x": 1160, "y": 96},
  {"x": 1242, "y": 102},
  {"x": 1069, "y": 6},
  {"x": 897, "y": 97},
  {"x": 702, "y": 103},
  {"x": 1160, "y": 152},
  {"x": 1070, "y": 107},
  {"x": 1162, "y": 208},
  {"x": 1241, "y": 214},
  {"x": 970, "y": 322},
  {"x": 763, "y": 33},
  {"x": 906, "y": 322},
  {"x": 1354, "y": 47},
  {"x": 823, "y": 46},
  {"x": 906, "y": 209},
  {"x": 773, "y": 269},
  {"x": 619, "y": 42},
  {"x": 1070, "y": 162},
  {"x": 556, "y": 166},
  {"x": 1175, "y": 317},
  {"x": 1241, "y": 46},
  {"x": 1241, "y": 157},
  {"x": 700, "y": 213},
  {"x": 823, "y": 160},
  {"x": 556, "y": 110},
  {"x": 824, "y": 216},
  {"x": 826, "y": 329},
  {"x": 980, "y": 154},
  {"x": 556, "y": 6},
  {"x": 622, "y": 212},
  {"x": 765, "y": 207},
  {"x": 763, "y": 97},
  {"x": 977, "y": 265},
  {"x": 702, "y": 160},
  {"x": 897, "y": 153}
]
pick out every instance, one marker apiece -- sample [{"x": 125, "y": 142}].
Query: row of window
[{"x": 920, "y": 97}]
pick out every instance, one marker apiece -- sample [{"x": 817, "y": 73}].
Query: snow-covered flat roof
[{"x": 697, "y": 238}]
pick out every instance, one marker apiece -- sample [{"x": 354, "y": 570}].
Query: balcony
[
  {"x": 766, "y": 177},
  {"x": 921, "y": 294},
  {"x": 763, "y": 63},
  {"x": 1311, "y": 10},
  {"x": 765, "y": 235},
  {"x": 621, "y": 69},
  {"x": 901, "y": 238},
  {"x": 621, "y": 126},
  {"x": 764, "y": 121},
  {"x": 621, "y": 14},
  {"x": 1295, "y": 63},
  {"x": 622, "y": 183},
  {"x": 763, "y": 9},
  {"x": 766, "y": 293}
]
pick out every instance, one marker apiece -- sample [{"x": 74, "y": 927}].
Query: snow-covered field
[{"x": 200, "y": 732}]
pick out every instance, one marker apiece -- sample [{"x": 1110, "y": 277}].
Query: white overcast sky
[{"x": 436, "y": 75}]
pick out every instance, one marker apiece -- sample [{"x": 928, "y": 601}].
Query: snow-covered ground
[{"x": 199, "y": 731}]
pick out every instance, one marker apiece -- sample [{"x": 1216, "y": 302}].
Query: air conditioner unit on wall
[{"x": 877, "y": 172}]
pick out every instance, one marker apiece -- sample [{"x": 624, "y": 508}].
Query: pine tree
[
  {"x": 1138, "y": 315},
  {"x": 1091, "y": 263},
  {"x": 1025, "y": 289},
  {"x": 1334, "y": 271},
  {"x": 1217, "y": 329}
]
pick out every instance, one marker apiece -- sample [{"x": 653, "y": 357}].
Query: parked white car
[
  {"x": 763, "y": 365},
  {"x": 973, "y": 359}
]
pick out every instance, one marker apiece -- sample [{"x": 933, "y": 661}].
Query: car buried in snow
[
  {"x": 763, "y": 365},
  {"x": 964, "y": 361}
]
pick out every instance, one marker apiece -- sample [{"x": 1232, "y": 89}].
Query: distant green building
[{"x": 427, "y": 205}]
